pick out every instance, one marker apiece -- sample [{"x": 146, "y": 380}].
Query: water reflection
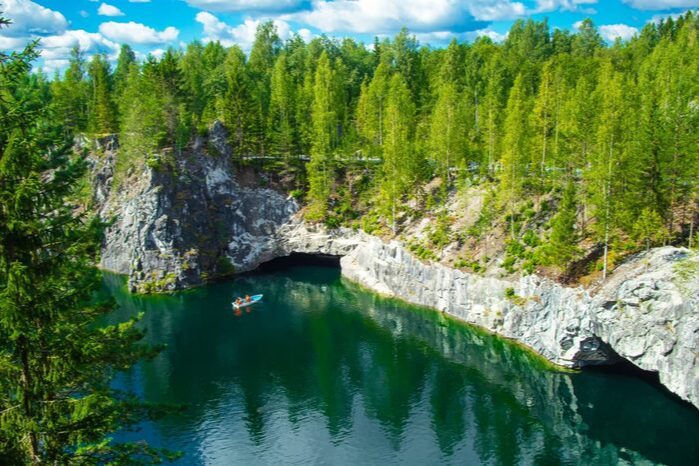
[{"x": 325, "y": 372}]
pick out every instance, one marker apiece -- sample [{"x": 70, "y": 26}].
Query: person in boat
[
  {"x": 238, "y": 301},
  {"x": 247, "y": 298}
]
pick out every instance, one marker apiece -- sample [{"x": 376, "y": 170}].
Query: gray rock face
[
  {"x": 648, "y": 313},
  {"x": 551, "y": 319},
  {"x": 180, "y": 224},
  {"x": 193, "y": 219}
]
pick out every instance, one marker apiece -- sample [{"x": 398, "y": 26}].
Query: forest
[{"x": 612, "y": 130}]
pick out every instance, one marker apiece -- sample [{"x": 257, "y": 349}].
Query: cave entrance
[{"x": 298, "y": 258}]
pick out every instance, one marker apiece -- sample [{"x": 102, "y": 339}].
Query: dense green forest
[
  {"x": 541, "y": 115},
  {"x": 544, "y": 113}
]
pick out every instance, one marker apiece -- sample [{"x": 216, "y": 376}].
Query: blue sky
[{"x": 151, "y": 26}]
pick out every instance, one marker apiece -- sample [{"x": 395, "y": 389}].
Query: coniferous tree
[
  {"x": 101, "y": 115},
  {"x": 70, "y": 94},
  {"x": 561, "y": 247},
  {"x": 239, "y": 111},
  {"x": 514, "y": 156},
  {"x": 281, "y": 112},
  {"x": 371, "y": 110},
  {"x": 324, "y": 126},
  {"x": 447, "y": 136},
  {"x": 603, "y": 184},
  {"x": 57, "y": 404},
  {"x": 397, "y": 148}
]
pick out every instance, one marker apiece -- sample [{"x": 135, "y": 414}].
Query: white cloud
[
  {"x": 109, "y": 10},
  {"x": 388, "y": 16},
  {"x": 136, "y": 33},
  {"x": 268, "y": 6},
  {"x": 58, "y": 46},
  {"x": 661, "y": 4},
  {"x": 84, "y": 13},
  {"x": 30, "y": 18},
  {"x": 611, "y": 32},
  {"x": 444, "y": 37},
  {"x": 306, "y": 34},
  {"x": 158, "y": 53},
  {"x": 243, "y": 34},
  {"x": 658, "y": 18},
  {"x": 565, "y": 5}
]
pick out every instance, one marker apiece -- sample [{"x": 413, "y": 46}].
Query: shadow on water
[{"x": 325, "y": 372}]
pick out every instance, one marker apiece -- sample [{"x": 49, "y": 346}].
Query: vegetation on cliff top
[{"x": 545, "y": 118}]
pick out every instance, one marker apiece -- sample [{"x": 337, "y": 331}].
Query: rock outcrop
[
  {"x": 191, "y": 218},
  {"x": 186, "y": 220},
  {"x": 648, "y": 313}
]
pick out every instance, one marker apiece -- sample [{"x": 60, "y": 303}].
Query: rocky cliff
[
  {"x": 648, "y": 313},
  {"x": 186, "y": 220},
  {"x": 181, "y": 223}
]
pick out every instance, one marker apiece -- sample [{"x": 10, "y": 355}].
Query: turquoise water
[{"x": 323, "y": 372}]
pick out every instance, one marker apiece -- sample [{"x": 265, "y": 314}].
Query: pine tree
[
  {"x": 57, "y": 405},
  {"x": 587, "y": 41},
  {"x": 447, "y": 136},
  {"x": 324, "y": 123},
  {"x": 70, "y": 94},
  {"x": 514, "y": 145},
  {"x": 126, "y": 57},
  {"x": 371, "y": 109},
  {"x": 398, "y": 148},
  {"x": 281, "y": 112},
  {"x": 143, "y": 128},
  {"x": 101, "y": 115},
  {"x": 562, "y": 243},
  {"x": 239, "y": 109},
  {"x": 605, "y": 160},
  {"x": 648, "y": 228}
]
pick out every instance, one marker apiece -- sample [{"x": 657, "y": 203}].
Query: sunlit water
[{"x": 323, "y": 372}]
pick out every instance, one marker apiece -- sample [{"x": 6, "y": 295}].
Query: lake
[{"x": 324, "y": 372}]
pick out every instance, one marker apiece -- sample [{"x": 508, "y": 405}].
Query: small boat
[{"x": 253, "y": 299}]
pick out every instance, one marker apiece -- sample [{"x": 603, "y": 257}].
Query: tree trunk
[{"x": 26, "y": 382}]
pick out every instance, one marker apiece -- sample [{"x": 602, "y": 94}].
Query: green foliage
[
  {"x": 648, "y": 228},
  {"x": 561, "y": 247},
  {"x": 224, "y": 267},
  {"x": 526, "y": 118},
  {"x": 512, "y": 296},
  {"x": 57, "y": 404},
  {"x": 421, "y": 251}
]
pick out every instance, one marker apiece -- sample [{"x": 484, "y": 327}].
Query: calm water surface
[{"x": 326, "y": 373}]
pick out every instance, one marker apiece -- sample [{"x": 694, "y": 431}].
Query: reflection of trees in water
[{"x": 327, "y": 346}]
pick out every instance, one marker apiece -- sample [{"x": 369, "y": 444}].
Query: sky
[{"x": 151, "y": 26}]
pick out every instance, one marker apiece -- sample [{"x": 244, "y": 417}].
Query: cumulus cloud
[
  {"x": 388, "y": 16},
  {"x": 30, "y": 18},
  {"x": 243, "y": 34},
  {"x": 109, "y": 10},
  {"x": 444, "y": 37},
  {"x": 565, "y": 5},
  {"x": 56, "y": 49},
  {"x": 661, "y": 4},
  {"x": 385, "y": 16},
  {"x": 658, "y": 18},
  {"x": 264, "y": 6},
  {"x": 611, "y": 32},
  {"x": 137, "y": 33}
]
